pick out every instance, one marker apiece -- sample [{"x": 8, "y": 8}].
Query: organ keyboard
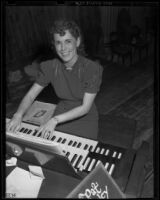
[{"x": 83, "y": 153}]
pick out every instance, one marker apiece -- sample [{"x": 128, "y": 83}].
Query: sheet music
[
  {"x": 39, "y": 112},
  {"x": 25, "y": 187}
]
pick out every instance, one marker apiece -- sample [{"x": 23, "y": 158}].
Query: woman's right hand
[{"x": 14, "y": 124}]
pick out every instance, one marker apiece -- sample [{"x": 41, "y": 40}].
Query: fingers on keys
[
  {"x": 51, "y": 135},
  {"x": 12, "y": 127},
  {"x": 44, "y": 133},
  {"x": 40, "y": 132}
]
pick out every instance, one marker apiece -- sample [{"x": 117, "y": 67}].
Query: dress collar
[{"x": 73, "y": 67}]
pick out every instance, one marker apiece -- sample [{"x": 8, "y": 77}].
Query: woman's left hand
[{"x": 47, "y": 130}]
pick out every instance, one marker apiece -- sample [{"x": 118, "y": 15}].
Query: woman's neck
[{"x": 69, "y": 65}]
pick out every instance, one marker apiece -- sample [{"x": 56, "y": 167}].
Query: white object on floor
[{"x": 20, "y": 184}]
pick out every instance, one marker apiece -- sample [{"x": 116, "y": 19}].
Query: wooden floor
[{"x": 125, "y": 91}]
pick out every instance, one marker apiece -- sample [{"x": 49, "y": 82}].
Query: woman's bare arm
[
  {"x": 26, "y": 102},
  {"x": 29, "y": 98},
  {"x": 79, "y": 111},
  {"x": 70, "y": 115}
]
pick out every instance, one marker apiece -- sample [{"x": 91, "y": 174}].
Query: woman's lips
[{"x": 64, "y": 54}]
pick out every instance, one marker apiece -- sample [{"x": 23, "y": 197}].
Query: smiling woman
[
  {"x": 76, "y": 81},
  {"x": 66, "y": 40},
  {"x": 66, "y": 48}
]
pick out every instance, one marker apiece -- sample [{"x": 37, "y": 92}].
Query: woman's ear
[{"x": 78, "y": 41}]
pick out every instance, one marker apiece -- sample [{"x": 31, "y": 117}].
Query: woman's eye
[
  {"x": 68, "y": 41},
  {"x": 57, "y": 43}
]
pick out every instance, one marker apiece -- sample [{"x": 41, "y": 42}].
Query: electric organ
[{"x": 82, "y": 154}]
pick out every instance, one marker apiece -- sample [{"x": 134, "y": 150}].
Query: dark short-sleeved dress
[{"x": 70, "y": 86}]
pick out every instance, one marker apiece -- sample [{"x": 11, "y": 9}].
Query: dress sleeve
[
  {"x": 92, "y": 77},
  {"x": 44, "y": 73}
]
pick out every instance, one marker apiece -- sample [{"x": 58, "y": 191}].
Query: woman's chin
[{"x": 65, "y": 59}]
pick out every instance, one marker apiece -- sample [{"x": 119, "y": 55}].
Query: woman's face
[{"x": 66, "y": 47}]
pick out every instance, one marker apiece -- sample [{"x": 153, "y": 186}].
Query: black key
[
  {"x": 39, "y": 134},
  {"x": 86, "y": 146},
  {"x": 94, "y": 165},
  {"x": 78, "y": 161},
  {"x": 70, "y": 142},
  {"x": 64, "y": 140},
  {"x": 88, "y": 164},
  {"x": 59, "y": 139},
  {"x": 84, "y": 161},
  {"x": 29, "y": 131},
  {"x": 53, "y": 138},
  {"x": 79, "y": 144},
  {"x": 109, "y": 166},
  {"x": 25, "y": 131},
  {"x": 73, "y": 159},
  {"x": 35, "y": 132},
  {"x": 68, "y": 153},
  {"x": 90, "y": 148},
  {"x": 22, "y": 129},
  {"x": 74, "y": 144}
]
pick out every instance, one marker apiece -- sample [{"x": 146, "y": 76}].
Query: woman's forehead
[{"x": 67, "y": 35}]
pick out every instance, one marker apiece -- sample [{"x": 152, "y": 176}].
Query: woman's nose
[{"x": 63, "y": 47}]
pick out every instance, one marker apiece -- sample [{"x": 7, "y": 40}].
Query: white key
[
  {"x": 119, "y": 155},
  {"x": 106, "y": 165},
  {"x": 98, "y": 162},
  {"x": 111, "y": 169},
  {"x": 86, "y": 163},
  {"x": 80, "y": 166},
  {"x": 93, "y": 147},
  {"x": 70, "y": 156},
  {"x": 114, "y": 154},
  {"x": 91, "y": 165},
  {"x": 75, "y": 161},
  {"x": 98, "y": 150},
  {"x": 102, "y": 151},
  {"x": 107, "y": 152}
]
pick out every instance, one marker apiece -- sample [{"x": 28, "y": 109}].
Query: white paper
[
  {"x": 35, "y": 177},
  {"x": 20, "y": 184},
  {"x": 36, "y": 171},
  {"x": 11, "y": 162}
]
